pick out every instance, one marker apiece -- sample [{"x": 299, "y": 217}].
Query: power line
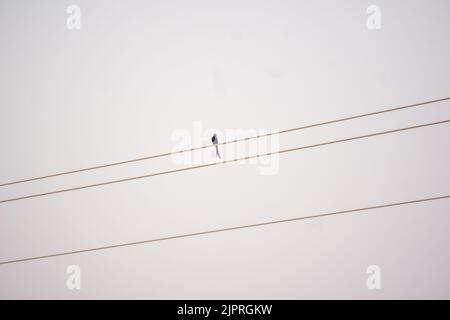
[
  {"x": 226, "y": 142},
  {"x": 224, "y": 161},
  {"x": 186, "y": 235}
]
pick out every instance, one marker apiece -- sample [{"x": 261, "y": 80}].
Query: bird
[{"x": 215, "y": 141}]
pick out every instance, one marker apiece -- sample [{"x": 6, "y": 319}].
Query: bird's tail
[{"x": 217, "y": 152}]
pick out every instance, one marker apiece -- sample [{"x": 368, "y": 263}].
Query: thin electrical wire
[
  {"x": 187, "y": 235},
  {"x": 226, "y": 142},
  {"x": 225, "y": 161}
]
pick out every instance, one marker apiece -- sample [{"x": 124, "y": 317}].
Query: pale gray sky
[{"x": 137, "y": 71}]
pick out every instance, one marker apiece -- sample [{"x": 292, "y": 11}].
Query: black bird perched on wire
[{"x": 215, "y": 141}]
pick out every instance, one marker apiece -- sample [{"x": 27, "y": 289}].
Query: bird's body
[{"x": 215, "y": 141}]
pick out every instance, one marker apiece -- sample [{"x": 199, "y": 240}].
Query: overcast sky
[{"x": 137, "y": 74}]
